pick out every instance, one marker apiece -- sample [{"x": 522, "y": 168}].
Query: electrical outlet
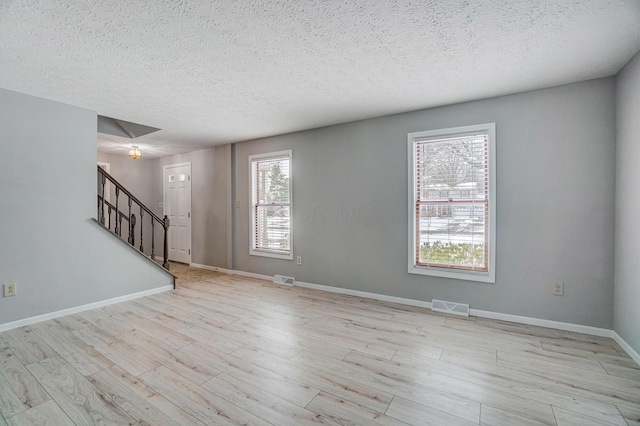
[
  {"x": 299, "y": 260},
  {"x": 558, "y": 289},
  {"x": 10, "y": 290}
]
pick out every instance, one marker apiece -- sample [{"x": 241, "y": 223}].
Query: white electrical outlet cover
[
  {"x": 9, "y": 290},
  {"x": 558, "y": 289}
]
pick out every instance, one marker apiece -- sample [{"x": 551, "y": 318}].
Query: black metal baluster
[
  {"x": 98, "y": 197},
  {"x": 141, "y": 226},
  {"x": 104, "y": 181},
  {"x": 132, "y": 221},
  {"x": 165, "y": 225},
  {"x": 117, "y": 212},
  {"x": 110, "y": 214},
  {"x": 153, "y": 240},
  {"x": 130, "y": 238}
]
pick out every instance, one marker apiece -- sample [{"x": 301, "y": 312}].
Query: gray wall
[
  {"x": 627, "y": 240},
  {"x": 555, "y": 204},
  {"x": 210, "y": 202},
  {"x": 135, "y": 175},
  {"x": 58, "y": 257}
]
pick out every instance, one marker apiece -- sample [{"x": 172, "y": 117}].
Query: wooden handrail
[
  {"x": 127, "y": 193},
  {"x": 130, "y": 217},
  {"x": 124, "y": 216}
]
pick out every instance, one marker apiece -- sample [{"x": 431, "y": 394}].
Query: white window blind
[
  {"x": 452, "y": 201},
  {"x": 271, "y": 204}
]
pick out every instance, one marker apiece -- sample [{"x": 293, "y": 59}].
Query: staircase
[{"x": 121, "y": 219}]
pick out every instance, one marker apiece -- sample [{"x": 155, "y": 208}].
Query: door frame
[{"x": 164, "y": 199}]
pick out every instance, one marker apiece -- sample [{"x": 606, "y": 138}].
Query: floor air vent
[
  {"x": 281, "y": 279},
  {"x": 450, "y": 307}
]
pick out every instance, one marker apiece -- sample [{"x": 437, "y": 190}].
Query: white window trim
[
  {"x": 261, "y": 252},
  {"x": 487, "y": 277}
]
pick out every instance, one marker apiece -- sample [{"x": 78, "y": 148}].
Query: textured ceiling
[{"x": 210, "y": 72}]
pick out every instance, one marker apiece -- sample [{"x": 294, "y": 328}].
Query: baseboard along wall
[
  {"x": 82, "y": 308},
  {"x": 558, "y": 325},
  {"x": 603, "y": 332}
]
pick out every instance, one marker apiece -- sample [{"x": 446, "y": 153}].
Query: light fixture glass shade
[{"x": 134, "y": 152}]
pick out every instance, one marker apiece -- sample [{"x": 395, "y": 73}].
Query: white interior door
[{"x": 177, "y": 207}]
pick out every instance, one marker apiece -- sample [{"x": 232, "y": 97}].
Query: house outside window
[
  {"x": 271, "y": 200},
  {"x": 452, "y": 203}
]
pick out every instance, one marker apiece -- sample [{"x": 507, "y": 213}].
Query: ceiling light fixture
[{"x": 134, "y": 152}]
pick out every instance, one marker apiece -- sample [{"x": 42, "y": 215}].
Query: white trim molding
[
  {"x": 627, "y": 348},
  {"x": 375, "y": 296},
  {"x": 473, "y": 312},
  {"x": 558, "y": 325},
  {"x": 253, "y": 202},
  {"x": 413, "y": 140},
  {"x": 232, "y": 272},
  {"x": 82, "y": 308},
  {"x": 212, "y": 268},
  {"x": 252, "y": 275}
]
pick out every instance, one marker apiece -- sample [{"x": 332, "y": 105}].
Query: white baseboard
[
  {"x": 375, "y": 296},
  {"x": 603, "y": 332},
  {"x": 77, "y": 309},
  {"x": 558, "y": 325},
  {"x": 474, "y": 312},
  {"x": 252, "y": 275},
  {"x": 628, "y": 349},
  {"x": 232, "y": 272},
  {"x": 212, "y": 268}
]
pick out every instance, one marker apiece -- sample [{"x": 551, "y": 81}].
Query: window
[
  {"x": 452, "y": 203},
  {"x": 270, "y": 176}
]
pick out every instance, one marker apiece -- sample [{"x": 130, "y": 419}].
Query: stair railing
[{"x": 129, "y": 217}]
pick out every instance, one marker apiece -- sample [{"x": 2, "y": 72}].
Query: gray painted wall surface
[
  {"x": 135, "y": 175},
  {"x": 555, "y": 201},
  {"x": 210, "y": 202},
  {"x": 627, "y": 240},
  {"x": 58, "y": 257}
]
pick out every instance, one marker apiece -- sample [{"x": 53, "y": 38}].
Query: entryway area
[{"x": 188, "y": 274}]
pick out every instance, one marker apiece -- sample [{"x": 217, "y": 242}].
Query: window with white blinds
[
  {"x": 270, "y": 176},
  {"x": 452, "y": 203}
]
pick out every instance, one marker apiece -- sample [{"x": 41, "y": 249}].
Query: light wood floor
[
  {"x": 231, "y": 350},
  {"x": 187, "y": 274}
]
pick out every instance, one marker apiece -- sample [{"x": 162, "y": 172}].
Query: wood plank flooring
[{"x": 232, "y": 350}]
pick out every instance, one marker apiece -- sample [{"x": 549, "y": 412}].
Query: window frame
[
  {"x": 253, "y": 251},
  {"x": 444, "y": 272}
]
